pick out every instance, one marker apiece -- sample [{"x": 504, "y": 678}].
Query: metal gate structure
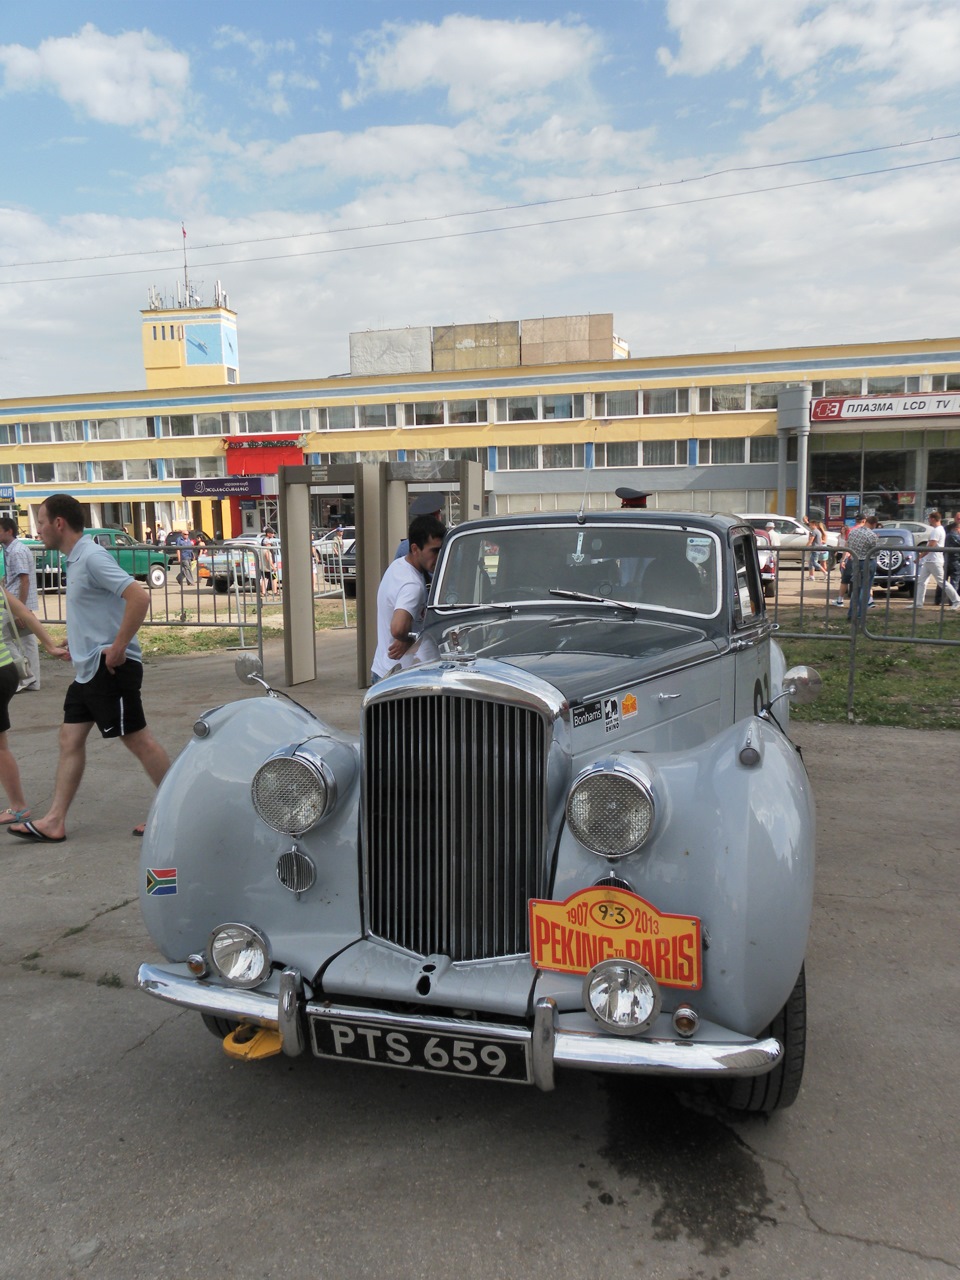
[{"x": 803, "y": 613}]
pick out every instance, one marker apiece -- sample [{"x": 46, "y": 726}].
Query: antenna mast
[{"x": 186, "y": 283}]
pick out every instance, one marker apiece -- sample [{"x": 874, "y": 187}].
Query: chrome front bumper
[{"x": 552, "y": 1041}]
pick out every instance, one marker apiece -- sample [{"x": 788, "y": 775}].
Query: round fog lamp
[
  {"x": 622, "y": 996},
  {"x": 239, "y": 954}
]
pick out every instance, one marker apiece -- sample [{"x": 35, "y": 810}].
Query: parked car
[
  {"x": 141, "y": 560},
  {"x": 896, "y": 560},
  {"x": 793, "y": 534},
  {"x": 49, "y": 573},
  {"x": 575, "y": 834},
  {"x": 768, "y": 562},
  {"x": 336, "y": 554},
  {"x": 915, "y": 526},
  {"x": 236, "y": 562}
]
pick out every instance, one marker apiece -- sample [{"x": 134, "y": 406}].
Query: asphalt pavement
[{"x": 130, "y": 1146}]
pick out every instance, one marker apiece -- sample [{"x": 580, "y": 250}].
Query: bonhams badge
[{"x": 603, "y": 923}]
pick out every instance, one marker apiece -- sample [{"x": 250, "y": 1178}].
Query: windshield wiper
[
  {"x": 467, "y": 608},
  {"x": 607, "y": 600}
]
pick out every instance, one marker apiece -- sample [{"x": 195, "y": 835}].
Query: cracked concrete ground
[{"x": 130, "y": 1145}]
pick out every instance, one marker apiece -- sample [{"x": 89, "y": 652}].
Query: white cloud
[
  {"x": 478, "y": 62},
  {"x": 258, "y": 48},
  {"x": 134, "y": 79},
  {"x": 911, "y": 49}
]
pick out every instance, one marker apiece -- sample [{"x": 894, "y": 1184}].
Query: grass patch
[
  {"x": 109, "y": 980},
  {"x": 911, "y": 686},
  {"x": 77, "y": 928},
  {"x": 70, "y": 973},
  {"x": 172, "y": 641}
]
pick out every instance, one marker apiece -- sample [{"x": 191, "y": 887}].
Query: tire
[
  {"x": 218, "y": 1027},
  {"x": 157, "y": 576},
  {"x": 768, "y": 590},
  {"x": 778, "y": 1088},
  {"x": 219, "y": 585}
]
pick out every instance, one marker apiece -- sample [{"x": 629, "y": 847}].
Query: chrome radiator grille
[{"x": 454, "y": 826}]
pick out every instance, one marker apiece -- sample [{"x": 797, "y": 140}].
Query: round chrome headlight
[
  {"x": 622, "y": 996},
  {"x": 240, "y": 954},
  {"x": 610, "y": 811},
  {"x": 292, "y": 792}
]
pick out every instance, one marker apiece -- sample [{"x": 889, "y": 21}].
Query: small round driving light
[
  {"x": 685, "y": 1021},
  {"x": 197, "y": 964},
  {"x": 291, "y": 793},
  {"x": 240, "y": 955},
  {"x": 622, "y": 996},
  {"x": 610, "y": 811}
]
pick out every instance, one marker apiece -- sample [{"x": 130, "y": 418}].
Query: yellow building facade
[{"x": 872, "y": 424}]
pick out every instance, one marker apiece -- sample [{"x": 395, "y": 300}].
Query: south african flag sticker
[{"x": 161, "y": 881}]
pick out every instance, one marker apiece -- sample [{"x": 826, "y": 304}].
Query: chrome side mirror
[
  {"x": 249, "y": 669},
  {"x": 802, "y": 685}
]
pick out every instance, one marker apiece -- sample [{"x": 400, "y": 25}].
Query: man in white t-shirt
[
  {"x": 931, "y": 564},
  {"x": 402, "y": 597}
]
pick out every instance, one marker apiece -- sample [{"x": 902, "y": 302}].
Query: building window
[
  {"x": 837, "y": 387},
  {"x": 765, "y": 395},
  {"x": 666, "y": 400},
  {"x": 722, "y": 451},
  {"x": 427, "y": 455},
  {"x": 723, "y": 399},
  {"x": 885, "y": 386},
  {"x": 518, "y": 409},
  {"x": 291, "y": 420},
  {"x": 618, "y": 404},
  {"x": 945, "y": 382},
  {"x": 195, "y": 468},
  {"x": 338, "y": 417},
  {"x": 425, "y": 413},
  {"x": 462, "y": 411},
  {"x": 6, "y": 474},
  {"x": 175, "y": 426},
  {"x": 377, "y": 415},
  {"x": 532, "y": 457},
  {"x": 764, "y": 448},
  {"x": 131, "y": 469},
  {"x": 51, "y": 432},
  {"x": 565, "y": 407},
  {"x": 463, "y": 455},
  {"x": 119, "y": 429},
  {"x": 53, "y": 473},
  {"x": 662, "y": 453},
  {"x": 8, "y": 433},
  {"x": 617, "y": 453},
  {"x": 256, "y": 422}
]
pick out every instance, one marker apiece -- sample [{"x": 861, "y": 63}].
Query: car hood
[{"x": 581, "y": 655}]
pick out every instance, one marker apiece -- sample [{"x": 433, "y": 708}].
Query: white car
[{"x": 793, "y": 534}]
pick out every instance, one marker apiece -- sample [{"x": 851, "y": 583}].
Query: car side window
[{"x": 748, "y": 604}]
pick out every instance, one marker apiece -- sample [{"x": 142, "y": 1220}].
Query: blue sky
[{"x": 720, "y": 174}]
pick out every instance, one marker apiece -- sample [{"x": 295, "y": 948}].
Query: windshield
[{"x": 664, "y": 569}]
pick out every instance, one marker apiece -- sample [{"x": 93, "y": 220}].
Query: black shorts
[
  {"x": 111, "y": 702},
  {"x": 9, "y": 682}
]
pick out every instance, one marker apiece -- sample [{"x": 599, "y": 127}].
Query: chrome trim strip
[
  {"x": 550, "y": 1045},
  {"x": 483, "y": 678}
]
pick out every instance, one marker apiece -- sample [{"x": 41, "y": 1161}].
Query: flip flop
[
  {"x": 139, "y": 830},
  {"x": 30, "y": 832},
  {"x": 13, "y": 815}
]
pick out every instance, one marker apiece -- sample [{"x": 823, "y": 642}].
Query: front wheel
[
  {"x": 219, "y": 1027},
  {"x": 157, "y": 576},
  {"x": 779, "y": 1087}
]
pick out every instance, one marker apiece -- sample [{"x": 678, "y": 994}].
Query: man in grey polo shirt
[
  {"x": 20, "y": 579},
  {"x": 105, "y": 608}
]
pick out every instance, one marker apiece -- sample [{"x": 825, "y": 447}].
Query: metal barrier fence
[
  {"x": 887, "y": 607},
  {"x": 223, "y": 586}
]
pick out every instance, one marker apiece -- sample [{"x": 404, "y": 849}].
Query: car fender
[
  {"x": 732, "y": 844},
  {"x": 221, "y": 858}
]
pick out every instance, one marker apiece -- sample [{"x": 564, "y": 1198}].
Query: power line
[
  {"x": 516, "y": 226},
  {"x": 475, "y": 213}
]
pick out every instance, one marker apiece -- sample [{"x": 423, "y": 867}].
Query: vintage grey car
[{"x": 574, "y": 833}]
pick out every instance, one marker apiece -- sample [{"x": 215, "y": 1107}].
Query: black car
[{"x": 896, "y": 561}]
